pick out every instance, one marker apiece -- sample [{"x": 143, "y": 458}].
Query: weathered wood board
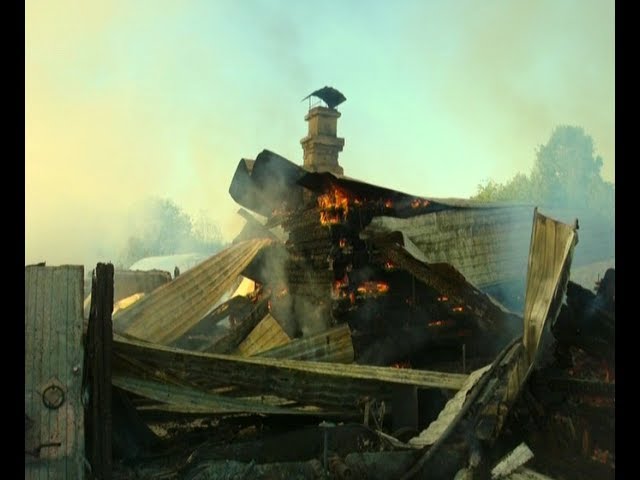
[{"x": 54, "y": 415}]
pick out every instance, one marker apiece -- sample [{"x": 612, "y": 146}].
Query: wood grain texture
[{"x": 54, "y": 435}]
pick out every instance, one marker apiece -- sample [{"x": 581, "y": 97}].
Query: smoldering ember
[{"x": 349, "y": 331}]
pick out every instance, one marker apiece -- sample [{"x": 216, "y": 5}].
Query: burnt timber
[{"x": 343, "y": 301}]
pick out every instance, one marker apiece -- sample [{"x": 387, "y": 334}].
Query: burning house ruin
[{"x": 353, "y": 331}]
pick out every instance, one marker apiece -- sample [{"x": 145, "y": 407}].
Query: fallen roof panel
[{"x": 173, "y": 308}]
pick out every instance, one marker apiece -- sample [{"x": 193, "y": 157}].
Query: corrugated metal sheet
[
  {"x": 334, "y": 345},
  {"x": 54, "y": 434},
  {"x": 170, "y": 310},
  {"x": 266, "y": 335},
  {"x": 552, "y": 245}
]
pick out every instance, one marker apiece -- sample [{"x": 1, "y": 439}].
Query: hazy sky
[{"x": 126, "y": 100}]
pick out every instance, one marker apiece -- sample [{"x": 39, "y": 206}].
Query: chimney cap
[{"x": 329, "y": 95}]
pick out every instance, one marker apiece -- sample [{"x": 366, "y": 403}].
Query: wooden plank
[
  {"x": 267, "y": 335},
  {"x": 230, "y": 341},
  {"x": 334, "y": 345},
  {"x": 76, "y": 352},
  {"x": 172, "y": 309},
  {"x": 182, "y": 398},
  {"x": 512, "y": 461},
  {"x": 551, "y": 250},
  {"x": 57, "y": 340},
  {"x": 315, "y": 383},
  {"x": 99, "y": 353},
  {"x": 32, "y": 427},
  {"x": 550, "y": 254},
  {"x": 54, "y": 415}
]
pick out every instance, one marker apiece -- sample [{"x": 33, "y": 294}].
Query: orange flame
[
  {"x": 436, "y": 323},
  {"x": 458, "y": 309},
  {"x": 338, "y": 286},
  {"x": 329, "y": 218},
  {"x": 419, "y": 202},
  {"x": 406, "y": 364},
  {"x": 600, "y": 455},
  {"x": 389, "y": 265},
  {"x": 373, "y": 287},
  {"x": 343, "y": 242},
  {"x": 443, "y": 299},
  {"x": 334, "y": 206},
  {"x": 388, "y": 203}
]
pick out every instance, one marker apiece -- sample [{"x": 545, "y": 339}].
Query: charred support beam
[
  {"x": 316, "y": 383},
  {"x": 99, "y": 354}
]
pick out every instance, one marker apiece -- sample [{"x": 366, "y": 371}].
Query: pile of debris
[
  {"x": 569, "y": 403},
  {"x": 325, "y": 342}
]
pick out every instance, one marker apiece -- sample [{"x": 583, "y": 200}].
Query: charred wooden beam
[
  {"x": 315, "y": 383},
  {"x": 99, "y": 355}
]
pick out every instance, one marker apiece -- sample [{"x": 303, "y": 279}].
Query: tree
[
  {"x": 163, "y": 228},
  {"x": 566, "y": 173}
]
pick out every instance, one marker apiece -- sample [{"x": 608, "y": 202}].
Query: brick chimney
[{"x": 322, "y": 145}]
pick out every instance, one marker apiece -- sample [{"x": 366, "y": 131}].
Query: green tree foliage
[
  {"x": 162, "y": 228},
  {"x": 566, "y": 173}
]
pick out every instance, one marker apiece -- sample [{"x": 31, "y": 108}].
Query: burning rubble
[
  {"x": 335, "y": 326},
  {"x": 333, "y": 290}
]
